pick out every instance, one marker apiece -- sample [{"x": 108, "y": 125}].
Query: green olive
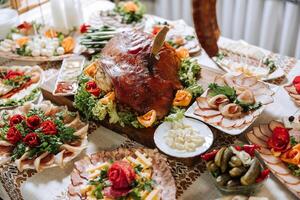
[
  {"x": 235, "y": 161},
  {"x": 223, "y": 179},
  {"x": 233, "y": 183},
  {"x": 225, "y": 158},
  {"x": 218, "y": 157},
  {"x": 252, "y": 173},
  {"x": 237, "y": 171}
]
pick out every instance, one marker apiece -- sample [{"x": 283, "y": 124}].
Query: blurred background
[{"x": 270, "y": 24}]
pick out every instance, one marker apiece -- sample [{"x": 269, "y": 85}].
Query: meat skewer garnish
[{"x": 158, "y": 42}]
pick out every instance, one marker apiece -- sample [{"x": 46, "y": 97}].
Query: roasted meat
[{"x": 139, "y": 82}]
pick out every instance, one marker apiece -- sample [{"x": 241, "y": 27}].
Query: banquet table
[{"x": 192, "y": 182}]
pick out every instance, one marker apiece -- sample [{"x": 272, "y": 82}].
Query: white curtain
[{"x": 271, "y": 24}]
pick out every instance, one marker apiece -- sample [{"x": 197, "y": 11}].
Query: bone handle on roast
[
  {"x": 158, "y": 42},
  {"x": 206, "y": 25}
]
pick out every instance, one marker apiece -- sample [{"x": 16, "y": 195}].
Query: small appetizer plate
[
  {"x": 202, "y": 129},
  {"x": 67, "y": 81}
]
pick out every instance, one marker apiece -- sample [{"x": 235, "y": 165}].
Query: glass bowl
[{"x": 241, "y": 190}]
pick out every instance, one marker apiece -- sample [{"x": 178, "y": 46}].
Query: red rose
[
  {"x": 84, "y": 28},
  {"x": 92, "y": 88},
  {"x": 16, "y": 119},
  {"x": 33, "y": 122},
  {"x": 279, "y": 139},
  {"x": 13, "y": 135},
  {"x": 31, "y": 139},
  {"x": 13, "y": 74},
  {"x": 121, "y": 175},
  {"x": 48, "y": 127},
  {"x": 296, "y": 80}
]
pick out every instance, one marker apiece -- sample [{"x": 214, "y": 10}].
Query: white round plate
[{"x": 203, "y": 130}]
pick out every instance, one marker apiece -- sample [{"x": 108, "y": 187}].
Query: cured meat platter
[{"x": 277, "y": 162}]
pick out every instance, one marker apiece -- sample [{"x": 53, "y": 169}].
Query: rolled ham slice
[
  {"x": 230, "y": 110},
  {"x": 215, "y": 101}
]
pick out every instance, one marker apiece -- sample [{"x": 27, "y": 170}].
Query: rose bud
[
  {"x": 31, "y": 139},
  {"x": 48, "y": 127},
  {"x": 16, "y": 119},
  {"x": 33, "y": 122},
  {"x": 13, "y": 135}
]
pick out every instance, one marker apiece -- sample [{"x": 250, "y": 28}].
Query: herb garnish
[{"x": 230, "y": 93}]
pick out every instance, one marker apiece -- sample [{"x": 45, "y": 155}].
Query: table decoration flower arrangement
[
  {"x": 41, "y": 136},
  {"x": 19, "y": 84}
]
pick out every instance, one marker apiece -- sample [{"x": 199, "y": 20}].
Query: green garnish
[
  {"x": 229, "y": 92},
  {"x": 293, "y": 141}
]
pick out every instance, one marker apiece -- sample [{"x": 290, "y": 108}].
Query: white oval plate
[{"x": 203, "y": 130}]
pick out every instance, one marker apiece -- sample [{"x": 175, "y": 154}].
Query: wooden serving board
[{"x": 143, "y": 136}]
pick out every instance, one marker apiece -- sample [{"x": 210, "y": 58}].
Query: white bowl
[{"x": 8, "y": 19}]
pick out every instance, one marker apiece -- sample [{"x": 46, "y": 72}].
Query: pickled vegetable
[
  {"x": 225, "y": 158},
  {"x": 218, "y": 157},
  {"x": 237, "y": 171},
  {"x": 252, "y": 173},
  {"x": 235, "y": 162},
  {"x": 223, "y": 179}
]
